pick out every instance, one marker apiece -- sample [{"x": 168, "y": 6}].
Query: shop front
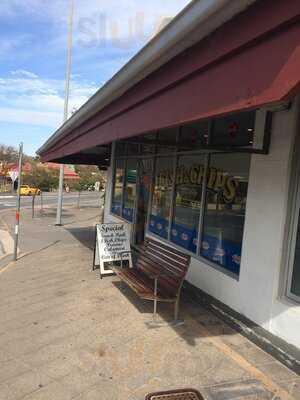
[
  {"x": 225, "y": 204},
  {"x": 188, "y": 185},
  {"x": 199, "y": 133}
]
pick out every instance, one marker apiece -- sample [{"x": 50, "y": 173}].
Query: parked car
[{"x": 27, "y": 190}]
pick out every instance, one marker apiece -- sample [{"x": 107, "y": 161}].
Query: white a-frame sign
[{"x": 112, "y": 244}]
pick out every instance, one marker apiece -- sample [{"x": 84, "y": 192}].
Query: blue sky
[{"x": 33, "y": 53}]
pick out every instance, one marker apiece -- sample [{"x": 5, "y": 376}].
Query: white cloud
[
  {"x": 26, "y": 98},
  {"x": 23, "y": 73},
  {"x": 30, "y": 117}
]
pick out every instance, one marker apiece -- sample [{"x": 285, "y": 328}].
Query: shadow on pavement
[
  {"x": 51, "y": 213},
  {"x": 85, "y": 235}
]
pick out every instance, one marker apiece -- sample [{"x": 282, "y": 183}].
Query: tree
[
  {"x": 42, "y": 178},
  {"x": 89, "y": 175},
  {"x": 8, "y": 154}
]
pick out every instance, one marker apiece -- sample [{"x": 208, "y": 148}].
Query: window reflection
[
  {"x": 224, "y": 215},
  {"x": 162, "y": 197},
  {"x": 194, "y": 136},
  {"x": 234, "y": 130},
  {"x": 188, "y": 198},
  {"x": 130, "y": 190},
  {"x": 118, "y": 188}
]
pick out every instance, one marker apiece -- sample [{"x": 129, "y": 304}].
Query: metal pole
[
  {"x": 42, "y": 209},
  {"x": 66, "y": 108},
  {"x": 33, "y": 201},
  {"x": 78, "y": 199},
  {"x": 18, "y": 204}
]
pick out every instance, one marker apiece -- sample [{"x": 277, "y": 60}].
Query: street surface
[{"x": 50, "y": 199}]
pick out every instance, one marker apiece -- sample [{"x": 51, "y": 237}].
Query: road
[{"x": 50, "y": 199}]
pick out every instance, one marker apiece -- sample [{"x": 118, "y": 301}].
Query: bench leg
[
  {"x": 155, "y": 300},
  {"x": 176, "y": 309}
]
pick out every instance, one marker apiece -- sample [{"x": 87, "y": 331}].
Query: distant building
[{"x": 69, "y": 174}]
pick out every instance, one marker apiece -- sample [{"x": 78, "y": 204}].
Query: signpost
[{"x": 112, "y": 243}]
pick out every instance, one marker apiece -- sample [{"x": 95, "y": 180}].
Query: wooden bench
[{"x": 158, "y": 273}]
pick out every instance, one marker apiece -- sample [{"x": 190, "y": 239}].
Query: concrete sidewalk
[
  {"x": 64, "y": 334},
  {"x": 36, "y": 233}
]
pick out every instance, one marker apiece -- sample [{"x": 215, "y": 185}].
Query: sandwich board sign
[{"x": 112, "y": 243}]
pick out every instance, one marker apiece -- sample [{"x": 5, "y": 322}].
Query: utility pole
[
  {"x": 66, "y": 109},
  {"x": 18, "y": 204}
]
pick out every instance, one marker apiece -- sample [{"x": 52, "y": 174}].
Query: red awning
[{"x": 264, "y": 70}]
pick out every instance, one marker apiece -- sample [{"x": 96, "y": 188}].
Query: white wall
[{"x": 256, "y": 294}]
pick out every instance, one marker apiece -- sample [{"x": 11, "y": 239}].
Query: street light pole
[{"x": 66, "y": 109}]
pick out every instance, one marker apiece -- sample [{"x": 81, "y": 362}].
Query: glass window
[
  {"x": 147, "y": 149},
  {"x": 144, "y": 144},
  {"x": 133, "y": 149},
  {"x": 234, "y": 130},
  {"x": 121, "y": 148},
  {"x": 150, "y": 137},
  {"x": 188, "y": 198},
  {"x": 145, "y": 167},
  {"x": 293, "y": 288},
  {"x": 167, "y": 140},
  {"x": 225, "y": 205},
  {"x": 194, "y": 136},
  {"x": 162, "y": 196},
  {"x": 116, "y": 206},
  {"x": 295, "y": 282},
  {"x": 130, "y": 190}
]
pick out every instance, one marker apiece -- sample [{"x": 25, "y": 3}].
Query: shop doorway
[{"x": 145, "y": 168}]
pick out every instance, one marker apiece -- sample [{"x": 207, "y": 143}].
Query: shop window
[
  {"x": 294, "y": 248},
  {"x": 224, "y": 212},
  {"x": 188, "y": 201},
  {"x": 162, "y": 196},
  {"x": 149, "y": 137},
  {"x": 117, "y": 196},
  {"x": 148, "y": 148},
  {"x": 167, "y": 140},
  {"x": 295, "y": 276},
  {"x": 194, "y": 136},
  {"x": 133, "y": 149},
  {"x": 234, "y": 130},
  {"x": 130, "y": 190},
  {"x": 121, "y": 148}
]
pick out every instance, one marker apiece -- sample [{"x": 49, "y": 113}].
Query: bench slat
[
  {"x": 141, "y": 284},
  {"x": 169, "y": 249},
  {"x": 167, "y": 262},
  {"x": 161, "y": 264}
]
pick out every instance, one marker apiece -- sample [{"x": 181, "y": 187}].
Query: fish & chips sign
[{"x": 218, "y": 181}]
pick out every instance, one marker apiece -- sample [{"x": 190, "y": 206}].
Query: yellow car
[{"x": 26, "y": 190}]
